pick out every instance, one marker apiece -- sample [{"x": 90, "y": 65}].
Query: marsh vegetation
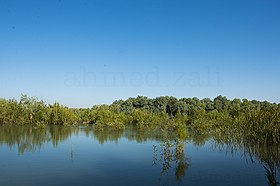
[{"x": 242, "y": 119}]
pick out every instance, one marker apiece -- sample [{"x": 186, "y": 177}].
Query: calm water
[{"x": 80, "y": 156}]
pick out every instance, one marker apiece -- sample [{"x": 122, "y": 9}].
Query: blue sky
[{"x": 89, "y": 52}]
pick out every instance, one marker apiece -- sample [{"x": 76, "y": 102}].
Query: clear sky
[{"x": 87, "y": 52}]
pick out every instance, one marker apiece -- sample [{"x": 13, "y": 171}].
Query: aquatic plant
[{"x": 251, "y": 119}]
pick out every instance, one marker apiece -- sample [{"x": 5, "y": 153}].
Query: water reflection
[
  {"x": 264, "y": 153},
  {"x": 171, "y": 154},
  {"x": 28, "y": 139},
  {"x": 168, "y": 152}
]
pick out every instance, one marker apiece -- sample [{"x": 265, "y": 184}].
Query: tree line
[{"x": 259, "y": 120}]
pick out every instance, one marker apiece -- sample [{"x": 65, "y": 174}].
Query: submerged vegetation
[{"x": 243, "y": 119}]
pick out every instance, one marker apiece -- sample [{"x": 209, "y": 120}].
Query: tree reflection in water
[
  {"x": 267, "y": 154},
  {"x": 169, "y": 153}
]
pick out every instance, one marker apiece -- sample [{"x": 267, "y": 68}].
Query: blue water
[{"x": 84, "y": 158}]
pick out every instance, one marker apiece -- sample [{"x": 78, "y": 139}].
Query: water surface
[{"x": 81, "y": 156}]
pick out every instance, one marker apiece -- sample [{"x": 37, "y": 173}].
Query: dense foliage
[{"x": 251, "y": 119}]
